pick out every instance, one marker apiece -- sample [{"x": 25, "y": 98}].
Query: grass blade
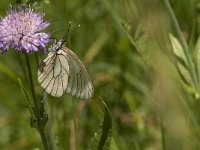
[{"x": 102, "y": 138}]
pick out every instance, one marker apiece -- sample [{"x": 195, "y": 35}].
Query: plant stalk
[
  {"x": 163, "y": 134},
  {"x": 183, "y": 42},
  {"x": 36, "y": 106},
  {"x": 50, "y": 133}
]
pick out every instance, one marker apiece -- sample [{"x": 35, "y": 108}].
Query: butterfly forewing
[
  {"x": 52, "y": 76},
  {"x": 61, "y": 72}
]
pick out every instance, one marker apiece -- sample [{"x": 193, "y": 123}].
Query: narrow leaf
[
  {"x": 184, "y": 73},
  {"x": 102, "y": 138},
  {"x": 177, "y": 48},
  {"x": 197, "y": 49},
  {"x": 181, "y": 60},
  {"x": 26, "y": 96}
]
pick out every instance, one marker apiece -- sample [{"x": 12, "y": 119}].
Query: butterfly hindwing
[{"x": 80, "y": 84}]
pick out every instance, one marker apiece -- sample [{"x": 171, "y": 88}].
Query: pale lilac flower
[{"x": 21, "y": 29}]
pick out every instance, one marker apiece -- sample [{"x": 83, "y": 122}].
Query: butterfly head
[{"x": 57, "y": 44}]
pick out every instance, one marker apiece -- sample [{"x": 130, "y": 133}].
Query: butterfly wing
[
  {"x": 79, "y": 81},
  {"x": 61, "y": 72},
  {"x": 53, "y": 74}
]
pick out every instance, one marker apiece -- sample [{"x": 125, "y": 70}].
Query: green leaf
[
  {"x": 184, "y": 73},
  {"x": 177, "y": 48},
  {"x": 27, "y": 97},
  {"x": 25, "y": 93},
  {"x": 197, "y": 49},
  {"x": 181, "y": 60},
  {"x": 102, "y": 138},
  {"x": 140, "y": 41},
  {"x": 192, "y": 38}
]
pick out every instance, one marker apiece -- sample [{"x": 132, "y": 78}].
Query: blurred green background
[{"x": 125, "y": 47}]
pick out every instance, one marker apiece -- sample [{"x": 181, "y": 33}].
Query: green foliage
[
  {"x": 149, "y": 79},
  {"x": 182, "y": 63},
  {"x": 26, "y": 96},
  {"x": 102, "y": 138}
]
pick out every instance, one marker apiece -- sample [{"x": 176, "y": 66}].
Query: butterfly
[{"x": 63, "y": 72}]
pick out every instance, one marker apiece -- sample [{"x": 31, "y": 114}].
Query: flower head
[{"x": 21, "y": 29}]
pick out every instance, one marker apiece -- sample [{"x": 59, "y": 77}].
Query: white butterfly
[{"x": 62, "y": 71}]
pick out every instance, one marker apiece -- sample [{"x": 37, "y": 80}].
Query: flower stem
[
  {"x": 191, "y": 66},
  {"x": 36, "y": 106},
  {"x": 32, "y": 86},
  {"x": 44, "y": 139},
  {"x": 50, "y": 133}
]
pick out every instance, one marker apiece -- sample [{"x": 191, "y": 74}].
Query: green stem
[
  {"x": 44, "y": 139},
  {"x": 32, "y": 86},
  {"x": 191, "y": 66},
  {"x": 36, "y": 106},
  {"x": 21, "y": 63},
  {"x": 37, "y": 60},
  {"x": 163, "y": 134},
  {"x": 74, "y": 122},
  {"x": 50, "y": 133}
]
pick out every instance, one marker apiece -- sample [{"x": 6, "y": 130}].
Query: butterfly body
[{"x": 62, "y": 72}]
